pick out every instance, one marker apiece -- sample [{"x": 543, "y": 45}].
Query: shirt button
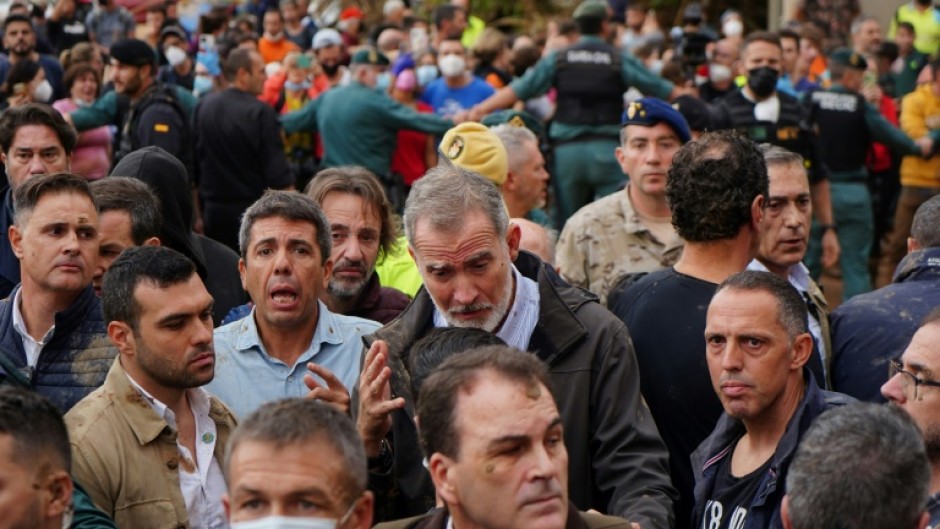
[
  {"x": 290, "y": 378},
  {"x": 172, "y": 464}
]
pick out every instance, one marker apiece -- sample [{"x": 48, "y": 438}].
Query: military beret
[
  {"x": 696, "y": 112},
  {"x": 650, "y": 111},
  {"x": 134, "y": 52},
  {"x": 518, "y": 118},
  {"x": 474, "y": 147},
  {"x": 370, "y": 56},
  {"x": 591, "y": 9},
  {"x": 847, "y": 57}
]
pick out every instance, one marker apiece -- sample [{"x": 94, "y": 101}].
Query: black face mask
[
  {"x": 330, "y": 69},
  {"x": 762, "y": 81}
]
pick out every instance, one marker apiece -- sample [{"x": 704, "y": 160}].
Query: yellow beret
[{"x": 474, "y": 147}]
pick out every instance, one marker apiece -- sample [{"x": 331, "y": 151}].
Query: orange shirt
[{"x": 275, "y": 51}]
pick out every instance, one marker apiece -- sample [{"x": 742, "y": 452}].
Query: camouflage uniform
[{"x": 605, "y": 240}]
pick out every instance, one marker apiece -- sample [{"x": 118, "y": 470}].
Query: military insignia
[
  {"x": 373, "y": 57},
  {"x": 207, "y": 437},
  {"x": 853, "y": 60},
  {"x": 631, "y": 111},
  {"x": 516, "y": 121},
  {"x": 456, "y": 147},
  {"x": 161, "y": 127}
]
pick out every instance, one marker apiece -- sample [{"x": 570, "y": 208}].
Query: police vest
[
  {"x": 590, "y": 85},
  {"x": 129, "y": 116},
  {"x": 843, "y": 132},
  {"x": 791, "y": 131}
]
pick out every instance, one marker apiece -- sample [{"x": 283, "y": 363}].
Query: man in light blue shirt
[{"x": 284, "y": 241}]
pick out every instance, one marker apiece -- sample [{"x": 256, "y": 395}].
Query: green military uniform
[
  {"x": 847, "y": 125},
  {"x": 360, "y": 126},
  {"x": 584, "y": 163}
]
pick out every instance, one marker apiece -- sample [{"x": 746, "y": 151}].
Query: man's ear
[
  {"x": 241, "y": 273},
  {"x": 227, "y": 506},
  {"x": 757, "y": 212},
  {"x": 121, "y": 335},
  {"x": 513, "y": 238},
  {"x": 439, "y": 467},
  {"x": 327, "y": 272},
  {"x": 59, "y": 488},
  {"x": 361, "y": 517},
  {"x": 16, "y": 240},
  {"x": 802, "y": 349},
  {"x": 912, "y": 245},
  {"x": 510, "y": 183},
  {"x": 153, "y": 241}
]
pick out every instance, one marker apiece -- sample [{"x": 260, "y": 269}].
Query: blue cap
[
  {"x": 404, "y": 62},
  {"x": 650, "y": 111}
]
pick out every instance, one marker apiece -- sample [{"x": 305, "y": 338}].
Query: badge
[
  {"x": 516, "y": 121},
  {"x": 208, "y": 437},
  {"x": 631, "y": 111},
  {"x": 161, "y": 127},
  {"x": 456, "y": 147}
]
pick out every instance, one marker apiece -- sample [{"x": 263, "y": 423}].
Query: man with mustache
[
  {"x": 756, "y": 346},
  {"x": 291, "y": 336},
  {"x": 362, "y": 223},
  {"x": 783, "y": 233},
  {"x": 148, "y": 445},
  {"x": 474, "y": 274},
  {"x": 494, "y": 441},
  {"x": 52, "y": 330}
]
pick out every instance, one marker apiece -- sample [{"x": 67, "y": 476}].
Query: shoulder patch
[{"x": 161, "y": 127}]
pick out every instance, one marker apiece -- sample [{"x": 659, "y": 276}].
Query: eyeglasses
[{"x": 908, "y": 378}]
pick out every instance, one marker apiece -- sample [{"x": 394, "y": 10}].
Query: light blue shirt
[{"x": 246, "y": 376}]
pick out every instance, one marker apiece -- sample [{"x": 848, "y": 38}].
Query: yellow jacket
[{"x": 920, "y": 114}]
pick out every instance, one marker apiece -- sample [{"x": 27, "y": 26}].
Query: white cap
[{"x": 326, "y": 37}]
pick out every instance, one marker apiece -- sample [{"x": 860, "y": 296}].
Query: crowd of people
[{"x": 265, "y": 268}]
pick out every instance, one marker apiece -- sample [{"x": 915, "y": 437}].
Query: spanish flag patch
[{"x": 161, "y": 127}]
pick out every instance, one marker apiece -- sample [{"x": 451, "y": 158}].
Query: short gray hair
[
  {"x": 294, "y": 423},
  {"x": 861, "y": 19},
  {"x": 861, "y": 465},
  {"x": 513, "y": 139},
  {"x": 926, "y": 226},
  {"x": 776, "y": 156},
  {"x": 289, "y": 205},
  {"x": 446, "y": 194}
]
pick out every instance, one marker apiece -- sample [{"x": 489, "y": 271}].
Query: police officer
[
  {"x": 765, "y": 115},
  {"x": 847, "y": 125},
  {"x": 590, "y": 77},
  {"x": 359, "y": 124},
  {"x": 147, "y": 113}
]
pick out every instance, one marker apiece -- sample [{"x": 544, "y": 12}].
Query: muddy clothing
[
  {"x": 617, "y": 462},
  {"x": 74, "y": 361},
  {"x": 871, "y": 329},
  {"x": 606, "y": 240},
  {"x": 126, "y": 456},
  {"x": 439, "y": 519},
  {"x": 763, "y": 511}
]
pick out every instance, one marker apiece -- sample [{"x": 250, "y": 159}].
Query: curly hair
[{"x": 712, "y": 183}]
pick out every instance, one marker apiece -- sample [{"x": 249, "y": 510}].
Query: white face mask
[
  {"x": 451, "y": 65},
  {"x": 43, "y": 92},
  {"x": 732, "y": 28},
  {"x": 175, "y": 56},
  {"x": 718, "y": 73},
  {"x": 293, "y": 522},
  {"x": 286, "y": 522}
]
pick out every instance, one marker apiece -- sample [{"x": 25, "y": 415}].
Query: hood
[
  {"x": 921, "y": 265},
  {"x": 166, "y": 175}
]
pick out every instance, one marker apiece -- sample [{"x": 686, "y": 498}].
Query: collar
[
  {"x": 326, "y": 331},
  {"x": 19, "y": 325},
  {"x": 632, "y": 222},
  {"x": 198, "y": 401},
  {"x": 798, "y": 275},
  {"x": 133, "y": 405}
]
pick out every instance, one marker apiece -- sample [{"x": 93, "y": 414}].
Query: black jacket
[{"x": 617, "y": 461}]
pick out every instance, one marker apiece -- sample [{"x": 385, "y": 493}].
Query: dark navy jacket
[
  {"x": 9, "y": 264},
  {"x": 764, "y": 511},
  {"x": 76, "y": 359},
  {"x": 872, "y": 328}
]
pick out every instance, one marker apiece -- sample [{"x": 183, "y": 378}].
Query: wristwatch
[{"x": 827, "y": 227}]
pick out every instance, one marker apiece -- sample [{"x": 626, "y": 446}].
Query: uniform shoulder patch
[{"x": 161, "y": 127}]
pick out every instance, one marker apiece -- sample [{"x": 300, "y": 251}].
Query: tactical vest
[
  {"x": 129, "y": 116},
  {"x": 791, "y": 131},
  {"x": 843, "y": 132},
  {"x": 590, "y": 85}
]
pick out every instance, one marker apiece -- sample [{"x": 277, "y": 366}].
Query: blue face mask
[
  {"x": 303, "y": 85},
  {"x": 383, "y": 81},
  {"x": 425, "y": 74},
  {"x": 202, "y": 85}
]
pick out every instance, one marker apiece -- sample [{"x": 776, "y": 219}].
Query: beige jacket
[
  {"x": 126, "y": 458},
  {"x": 605, "y": 240}
]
